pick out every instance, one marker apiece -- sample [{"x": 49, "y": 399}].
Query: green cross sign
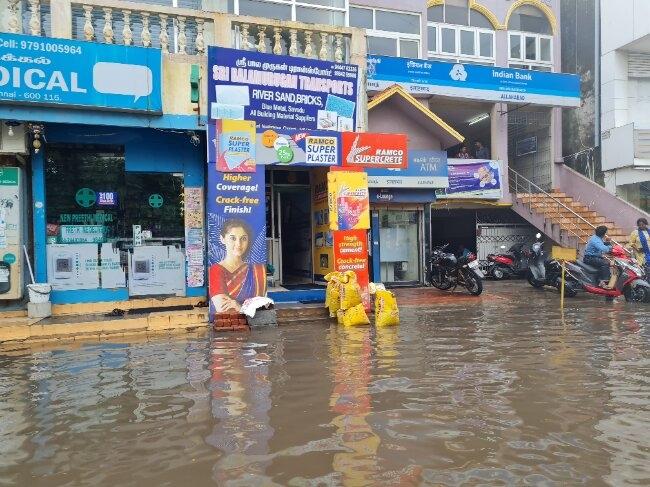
[
  {"x": 155, "y": 200},
  {"x": 85, "y": 197}
]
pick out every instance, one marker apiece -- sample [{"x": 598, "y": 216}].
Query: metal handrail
[{"x": 539, "y": 190}]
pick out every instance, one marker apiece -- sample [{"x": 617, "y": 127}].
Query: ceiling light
[
  {"x": 478, "y": 118},
  {"x": 11, "y": 124}
]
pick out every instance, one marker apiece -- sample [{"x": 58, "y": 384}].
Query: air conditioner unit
[{"x": 13, "y": 138}]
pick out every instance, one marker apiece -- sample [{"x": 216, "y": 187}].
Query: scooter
[
  {"x": 630, "y": 281},
  {"x": 547, "y": 272},
  {"x": 508, "y": 264}
]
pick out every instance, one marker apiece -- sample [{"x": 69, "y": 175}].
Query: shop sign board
[
  {"x": 363, "y": 149},
  {"x": 282, "y": 92},
  {"x": 473, "y": 81},
  {"x": 156, "y": 270},
  {"x": 473, "y": 178},
  {"x": 63, "y": 72},
  {"x": 237, "y": 255},
  {"x": 402, "y": 195},
  {"x": 72, "y": 266},
  {"x": 298, "y": 148},
  {"x": 107, "y": 198},
  {"x": 231, "y": 145},
  {"x": 348, "y": 200},
  {"x": 426, "y": 169},
  {"x": 82, "y": 233},
  {"x": 351, "y": 254}
]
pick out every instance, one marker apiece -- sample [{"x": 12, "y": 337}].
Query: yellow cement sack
[
  {"x": 334, "y": 303},
  {"x": 333, "y": 279},
  {"x": 340, "y": 315},
  {"x": 386, "y": 310},
  {"x": 350, "y": 294},
  {"x": 356, "y": 316}
]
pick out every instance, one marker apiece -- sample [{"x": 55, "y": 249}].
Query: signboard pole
[
  {"x": 563, "y": 255},
  {"x": 563, "y": 264}
]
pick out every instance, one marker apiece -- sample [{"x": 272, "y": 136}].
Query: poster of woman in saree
[{"x": 233, "y": 279}]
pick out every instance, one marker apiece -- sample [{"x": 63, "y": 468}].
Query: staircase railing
[{"x": 553, "y": 206}]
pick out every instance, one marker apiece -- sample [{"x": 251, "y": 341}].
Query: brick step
[{"x": 301, "y": 311}]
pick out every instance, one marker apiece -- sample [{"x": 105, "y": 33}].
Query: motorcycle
[
  {"x": 508, "y": 264},
  {"x": 630, "y": 281},
  {"x": 543, "y": 272},
  {"x": 446, "y": 271}
]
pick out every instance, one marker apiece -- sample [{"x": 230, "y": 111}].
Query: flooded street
[{"x": 499, "y": 391}]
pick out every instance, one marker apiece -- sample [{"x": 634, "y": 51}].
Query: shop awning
[{"x": 405, "y": 103}]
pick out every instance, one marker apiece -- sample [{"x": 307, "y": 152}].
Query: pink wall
[{"x": 386, "y": 119}]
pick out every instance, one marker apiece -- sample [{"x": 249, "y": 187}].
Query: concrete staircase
[{"x": 568, "y": 222}]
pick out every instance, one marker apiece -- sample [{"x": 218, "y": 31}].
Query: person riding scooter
[{"x": 597, "y": 246}]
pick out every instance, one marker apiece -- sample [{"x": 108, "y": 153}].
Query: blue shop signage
[
  {"x": 49, "y": 71},
  {"x": 282, "y": 92},
  {"x": 402, "y": 195},
  {"x": 474, "y": 81},
  {"x": 426, "y": 169}
]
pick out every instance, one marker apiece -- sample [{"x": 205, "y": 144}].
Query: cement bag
[
  {"x": 333, "y": 279},
  {"x": 335, "y": 300},
  {"x": 340, "y": 314},
  {"x": 373, "y": 287},
  {"x": 386, "y": 311},
  {"x": 356, "y": 316},
  {"x": 350, "y": 294}
]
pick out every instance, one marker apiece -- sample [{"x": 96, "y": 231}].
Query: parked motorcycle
[
  {"x": 508, "y": 264},
  {"x": 446, "y": 271},
  {"x": 547, "y": 272},
  {"x": 630, "y": 282}
]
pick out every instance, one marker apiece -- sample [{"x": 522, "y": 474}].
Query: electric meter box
[{"x": 11, "y": 218}]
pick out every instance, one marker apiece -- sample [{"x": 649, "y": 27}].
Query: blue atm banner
[
  {"x": 48, "y": 71},
  {"x": 282, "y": 92},
  {"x": 474, "y": 81}
]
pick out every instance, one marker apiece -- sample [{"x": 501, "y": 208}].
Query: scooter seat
[{"x": 587, "y": 268}]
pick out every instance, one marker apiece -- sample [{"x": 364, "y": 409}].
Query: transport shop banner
[
  {"x": 351, "y": 254},
  {"x": 282, "y": 92},
  {"x": 473, "y": 81},
  {"x": 298, "y": 148},
  {"x": 348, "y": 200},
  {"x": 363, "y": 149},
  {"x": 323, "y": 239},
  {"x": 237, "y": 255},
  {"x": 63, "y": 72},
  {"x": 473, "y": 178},
  {"x": 426, "y": 169},
  {"x": 231, "y": 145}
]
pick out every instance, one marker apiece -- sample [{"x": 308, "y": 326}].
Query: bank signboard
[
  {"x": 420, "y": 77},
  {"x": 52, "y": 71},
  {"x": 426, "y": 169},
  {"x": 282, "y": 92},
  {"x": 364, "y": 149}
]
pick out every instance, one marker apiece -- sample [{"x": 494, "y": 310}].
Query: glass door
[{"x": 399, "y": 246}]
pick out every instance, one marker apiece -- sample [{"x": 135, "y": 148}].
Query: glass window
[
  {"x": 436, "y": 14},
  {"x": 477, "y": 19},
  {"x": 531, "y": 48},
  {"x": 486, "y": 44},
  {"x": 467, "y": 43},
  {"x": 529, "y": 19},
  {"x": 319, "y": 16},
  {"x": 432, "y": 40},
  {"x": 545, "y": 49},
  {"x": 399, "y": 246},
  {"x": 382, "y": 46},
  {"x": 397, "y": 22},
  {"x": 325, "y": 3},
  {"x": 265, "y": 9},
  {"x": 456, "y": 15},
  {"x": 409, "y": 48},
  {"x": 361, "y": 17},
  {"x": 515, "y": 46},
  {"x": 448, "y": 40}
]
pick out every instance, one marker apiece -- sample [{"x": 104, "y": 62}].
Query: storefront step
[{"x": 132, "y": 304}]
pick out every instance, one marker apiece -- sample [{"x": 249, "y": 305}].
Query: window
[
  {"x": 456, "y": 32},
  {"x": 530, "y": 51},
  {"x": 330, "y": 12},
  {"x": 390, "y": 33}
]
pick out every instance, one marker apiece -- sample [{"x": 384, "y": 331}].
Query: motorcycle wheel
[
  {"x": 498, "y": 273},
  {"x": 437, "y": 281},
  {"x": 569, "y": 291},
  {"x": 473, "y": 283},
  {"x": 637, "y": 294},
  {"x": 533, "y": 282}
]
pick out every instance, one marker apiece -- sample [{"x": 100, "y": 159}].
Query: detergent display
[
  {"x": 348, "y": 197},
  {"x": 231, "y": 145},
  {"x": 237, "y": 253}
]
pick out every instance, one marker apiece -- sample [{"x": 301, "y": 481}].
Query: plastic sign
[
  {"x": 426, "y": 169},
  {"x": 298, "y": 148},
  {"x": 386, "y": 151},
  {"x": 53, "y": 71},
  {"x": 231, "y": 145},
  {"x": 564, "y": 253}
]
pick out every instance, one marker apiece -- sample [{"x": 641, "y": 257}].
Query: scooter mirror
[
  {"x": 503, "y": 246},
  {"x": 539, "y": 235}
]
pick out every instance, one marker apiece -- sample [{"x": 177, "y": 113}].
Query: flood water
[{"x": 500, "y": 392}]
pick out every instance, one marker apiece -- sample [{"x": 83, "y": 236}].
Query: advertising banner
[
  {"x": 351, "y": 254},
  {"x": 237, "y": 254},
  {"x": 71, "y": 267},
  {"x": 194, "y": 237},
  {"x": 112, "y": 274},
  {"x": 323, "y": 240},
  {"x": 361, "y": 149},
  {"x": 298, "y": 148},
  {"x": 473, "y": 178},
  {"x": 474, "y": 81},
  {"x": 155, "y": 270},
  {"x": 402, "y": 195},
  {"x": 348, "y": 200},
  {"x": 426, "y": 169},
  {"x": 282, "y": 92},
  {"x": 231, "y": 145},
  {"x": 54, "y": 71}
]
